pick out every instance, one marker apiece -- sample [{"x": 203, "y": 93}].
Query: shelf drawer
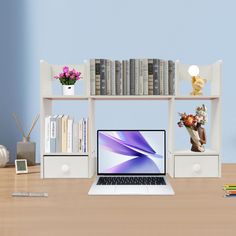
[
  {"x": 66, "y": 167},
  {"x": 196, "y": 166}
]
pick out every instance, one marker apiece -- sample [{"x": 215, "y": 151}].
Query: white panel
[
  {"x": 65, "y": 167},
  {"x": 196, "y": 166}
]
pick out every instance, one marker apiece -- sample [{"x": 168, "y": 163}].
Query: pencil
[{"x": 231, "y": 191}]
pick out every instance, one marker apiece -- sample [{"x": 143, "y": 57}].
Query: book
[
  {"x": 81, "y": 136},
  {"x": 103, "y": 82},
  {"x": 140, "y": 78},
  {"x": 165, "y": 78},
  {"x": 108, "y": 77},
  {"x": 132, "y": 76},
  {"x": 145, "y": 76},
  {"x": 53, "y": 133},
  {"x": 171, "y": 76},
  {"x": 70, "y": 136},
  {"x": 150, "y": 76},
  {"x": 47, "y": 134},
  {"x": 127, "y": 77},
  {"x": 75, "y": 145},
  {"x": 124, "y": 76},
  {"x": 97, "y": 76},
  {"x": 156, "y": 77},
  {"x": 92, "y": 77},
  {"x": 161, "y": 66},
  {"x": 118, "y": 77},
  {"x": 136, "y": 76},
  {"x": 113, "y": 78},
  {"x": 64, "y": 133},
  {"x": 59, "y": 133}
]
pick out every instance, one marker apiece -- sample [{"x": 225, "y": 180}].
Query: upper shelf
[{"x": 130, "y": 97}]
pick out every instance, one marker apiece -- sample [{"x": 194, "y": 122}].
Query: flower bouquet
[
  {"x": 193, "y": 125},
  {"x": 68, "y": 78}
]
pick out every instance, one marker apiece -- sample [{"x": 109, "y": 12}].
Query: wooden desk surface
[{"x": 198, "y": 208}]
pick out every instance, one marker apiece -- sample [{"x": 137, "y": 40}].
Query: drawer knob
[
  {"x": 65, "y": 168},
  {"x": 196, "y": 168}
]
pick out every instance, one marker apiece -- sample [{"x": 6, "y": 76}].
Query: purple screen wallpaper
[{"x": 131, "y": 152}]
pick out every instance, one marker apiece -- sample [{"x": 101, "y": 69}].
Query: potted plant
[{"x": 68, "y": 78}]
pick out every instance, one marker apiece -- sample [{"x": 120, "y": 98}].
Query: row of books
[
  {"x": 230, "y": 190},
  {"x": 63, "y": 134},
  {"x": 132, "y": 77}
]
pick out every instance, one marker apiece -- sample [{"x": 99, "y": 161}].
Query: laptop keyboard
[{"x": 131, "y": 181}]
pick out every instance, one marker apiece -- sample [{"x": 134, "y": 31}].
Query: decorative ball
[{"x": 4, "y": 156}]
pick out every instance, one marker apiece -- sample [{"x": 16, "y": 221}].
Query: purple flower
[
  {"x": 72, "y": 76},
  {"x": 65, "y": 69},
  {"x": 77, "y": 78},
  {"x": 56, "y": 76},
  {"x": 61, "y": 75},
  {"x": 67, "y": 75}
]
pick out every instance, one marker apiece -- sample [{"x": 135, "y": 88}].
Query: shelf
[
  {"x": 66, "y": 97},
  {"x": 131, "y": 97},
  {"x": 66, "y": 154},
  {"x": 196, "y": 97},
  {"x": 189, "y": 152}
]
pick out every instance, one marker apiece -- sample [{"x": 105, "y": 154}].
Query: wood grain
[{"x": 198, "y": 208}]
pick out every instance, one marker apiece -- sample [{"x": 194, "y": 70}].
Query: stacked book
[
  {"x": 230, "y": 190},
  {"x": 132, "y": 77},
  {"x": 63, "y": 134}
]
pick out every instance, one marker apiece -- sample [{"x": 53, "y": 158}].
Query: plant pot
[{"x": 68, "y": 90}]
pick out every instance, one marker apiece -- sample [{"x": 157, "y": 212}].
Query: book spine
[
  {"x": 156, "y": 89},
  {"x": 103, "y": 87},
  {"x": 124, "y": 83},
  {"x": 145, "y": 76},
  {"x": 161, "y": 77},
  {"x": 118, "y": 78},
  {"x": 121, "y": 78},
  {"x": 132, "y": 76},
  {"x": 53, "y": 134},
  {"x": 92, "y": 76},
  {"x": 137, "y": 79},
  {"x": 59, "y": 133},
  {"x": 113, "y": 78},
  {"x": 80, "y": 135},
  {"x": 47, "y": 134},
  {"x": 75, "y": 144},
  {"x": 97, "y": 76},
  {"x": 127, "y": 77},
  {"x": 166, "y": 79},
  {"x": 150, "y": 76},
  {"x": 171, "y": 75},
  {"x": 64, "y": 133},
  {"x": 140, "y": 86},
  {"x": 108, "y": 77},
  {"x": 69, "y": 136}
]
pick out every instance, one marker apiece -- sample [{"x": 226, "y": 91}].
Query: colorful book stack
[
  {"x": 230, "y": 190},
  {"x": 63, "y": 134},
  {"x": 132, "y": 77}
]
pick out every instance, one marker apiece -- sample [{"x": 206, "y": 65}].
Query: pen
[
  {"x": 230, "y": 195},
  {"x": 229, "y": 188},
  {"x": 229, "y": 185},
  {"x": 231, "y": 191}
]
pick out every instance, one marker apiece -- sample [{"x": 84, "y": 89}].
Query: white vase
[{"x": 68, "y": 90}]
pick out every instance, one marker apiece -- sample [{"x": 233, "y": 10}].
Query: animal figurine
[{"x": 197, "y": 85}]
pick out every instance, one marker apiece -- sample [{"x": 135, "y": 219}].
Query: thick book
[
  {"x": 92, "y": 77},
  {"x": 47, "y": 134},
  {"x": 53, "y": 133},
  {"x": 97, "y": 76},
  {"x": 59, "y": 134},
  {"x": 103, "y": 85},
  {"x": 75, "y": 144},
  {"x": 150, "y": 76},
  {"x": 132, "y": 76},
  {"x": 64, "y": 133},
  {"x": 156, "y": 79}
]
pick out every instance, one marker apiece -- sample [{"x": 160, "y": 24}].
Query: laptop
[{"x": 131, "y": 162}]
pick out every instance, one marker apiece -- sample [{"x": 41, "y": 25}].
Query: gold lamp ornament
[{"x": 198, "y": 82}]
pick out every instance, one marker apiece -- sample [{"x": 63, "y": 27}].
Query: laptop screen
[{"x": 131, "y": 152}]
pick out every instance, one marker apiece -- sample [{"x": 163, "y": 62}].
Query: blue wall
[{"x": 69, "y": 31}]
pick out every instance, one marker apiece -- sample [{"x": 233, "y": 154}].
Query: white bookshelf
[{"x": 180, "y": 163}]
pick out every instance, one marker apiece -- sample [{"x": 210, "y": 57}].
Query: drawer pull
[
  {"x": 196, "y": 168},
  {"x": 65, "y": 168}
]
